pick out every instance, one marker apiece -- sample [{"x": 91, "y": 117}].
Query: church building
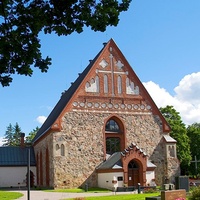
[{"x": 105, "y": 131}]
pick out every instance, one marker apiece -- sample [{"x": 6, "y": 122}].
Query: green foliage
[
  {"x": 22, "y": 21},
  {"x": 80, "y": 190},
  {"x": 123, "y": 197},
  {"x": 195, "y": 194},
  {"x": 12, "y": 135},
  {"x": 179, "y": 133},
  {"x": 31, "y": 135},
  {"x": 193, "y": 132}
]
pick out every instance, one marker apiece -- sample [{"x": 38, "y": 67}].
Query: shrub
[
  {"x": 195, "y": 194},
  {"x": 149, "y": 190}
]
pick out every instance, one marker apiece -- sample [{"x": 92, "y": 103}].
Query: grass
[
  {"x": 79, "y": 190},
  {"x": 4, "y": 195},
  {"x": 119, "y": 197}
]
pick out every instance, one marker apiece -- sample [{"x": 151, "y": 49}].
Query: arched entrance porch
[{"x": 134, "y": 163}]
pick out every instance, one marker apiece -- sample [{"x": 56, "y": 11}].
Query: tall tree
[
  {"x": 22, "y": 21},
  {"x": 193, "y": 132},
  {"x": 179, "y": 133},
  {"x": 8, "y": 139},
  {"x": 12, "y": 135},
  {"x": 16, "y": 135},
  {"x": 31, "y": 135}
]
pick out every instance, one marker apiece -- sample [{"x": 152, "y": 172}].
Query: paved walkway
[{"x": 41, "y": 195}]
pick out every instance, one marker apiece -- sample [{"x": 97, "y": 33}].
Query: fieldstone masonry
[{"x": 84, "y": 146}]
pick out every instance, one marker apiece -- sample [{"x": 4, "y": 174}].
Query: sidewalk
[{"x": 41, "y": 195}]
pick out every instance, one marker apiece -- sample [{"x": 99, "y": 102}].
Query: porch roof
[{"x": 113, "y": 162}]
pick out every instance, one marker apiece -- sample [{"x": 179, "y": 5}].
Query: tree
[
  {"x": 179, "y": 133},
  {"x": 31, "y": 135},
  {"x": 17, "y": 135},
  {"x": 12, "y": 135},
  {"x": 193, "y": 132},
  {"x": 22, "y": 21},
  {"x": 8, "y": 139}
]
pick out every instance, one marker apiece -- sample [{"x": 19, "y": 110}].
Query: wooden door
[
  {"x": 133, "y": 177},
  {"x": 133, "y": 173}
]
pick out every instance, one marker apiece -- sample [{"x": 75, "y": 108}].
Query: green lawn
[
  {"x": 79, "y": 190},
  {"x": 120, "y": 197},
  {"x": 4, "y": 195}
]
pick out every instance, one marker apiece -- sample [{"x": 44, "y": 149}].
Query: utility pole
[{"x": 28, "y": 175}]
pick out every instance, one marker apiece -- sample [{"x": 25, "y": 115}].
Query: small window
[
  {"x": 120, "y": 178},
  {"x": 62, "y": 150},
  {"x": 112, "y": 126},
  {"x": 57, "y": 147}
]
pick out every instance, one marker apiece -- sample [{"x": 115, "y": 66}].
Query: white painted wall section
[
  {"x": 15, "y": 176},
  {"x": 105, "y": 180},
  {"x": 150, "y": 176}
]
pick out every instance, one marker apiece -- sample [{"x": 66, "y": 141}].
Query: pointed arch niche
[{"x": 114, "y": 136}]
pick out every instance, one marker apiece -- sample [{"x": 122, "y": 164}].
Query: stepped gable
[{"x": 108, "y": 84}]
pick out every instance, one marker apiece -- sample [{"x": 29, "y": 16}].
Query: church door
[{"x": 133, "y": 174}]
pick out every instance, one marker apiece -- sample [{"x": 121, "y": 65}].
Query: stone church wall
[
  {"x": 83, "y": 141},
  {"x": 41, "y": 158}
]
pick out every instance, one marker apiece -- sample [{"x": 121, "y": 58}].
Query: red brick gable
[
  {"x": 112, "y": 85},
  {"x": 108, "y": 84}
]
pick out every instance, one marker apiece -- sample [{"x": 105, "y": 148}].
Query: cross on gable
[{"x": 104, "y": 64}]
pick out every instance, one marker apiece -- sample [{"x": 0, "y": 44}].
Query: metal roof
[
  {"x": 16, "y": 156},
  {"x": 114, "y": 161},
  {"x": 169, "y": 138}
]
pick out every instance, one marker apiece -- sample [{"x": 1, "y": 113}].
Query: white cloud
[
  {"x": 1, "y": 141},
  {"x": 41, "y": 119},
  {"x": 186, "y": 99},
  {"x": 189, "y": 88}
]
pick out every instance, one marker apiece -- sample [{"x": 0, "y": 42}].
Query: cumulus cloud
[
  {"x": 41, "y": 119},
  {"x": 186, "y": 99},
  {"x": 1, "y": 141}
]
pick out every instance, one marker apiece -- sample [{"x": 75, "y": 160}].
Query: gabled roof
[
  {"x": 67, "y": 96},
  {"x": 16, "y": 156}
]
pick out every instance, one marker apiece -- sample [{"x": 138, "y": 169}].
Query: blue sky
[{"x": 160, "y": 40}]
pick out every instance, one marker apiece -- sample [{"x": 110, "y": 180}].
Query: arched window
[
  {"x": 112, "y": 126},
  {"x": 62, "y": 150},
  {"x": 114, "y": 136},
  {"x": 132, "y": 165},
  {"x": 119, "y": 84},
  {"x": 105, "y": 84},
  {"x": 97, "y": 83}
]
